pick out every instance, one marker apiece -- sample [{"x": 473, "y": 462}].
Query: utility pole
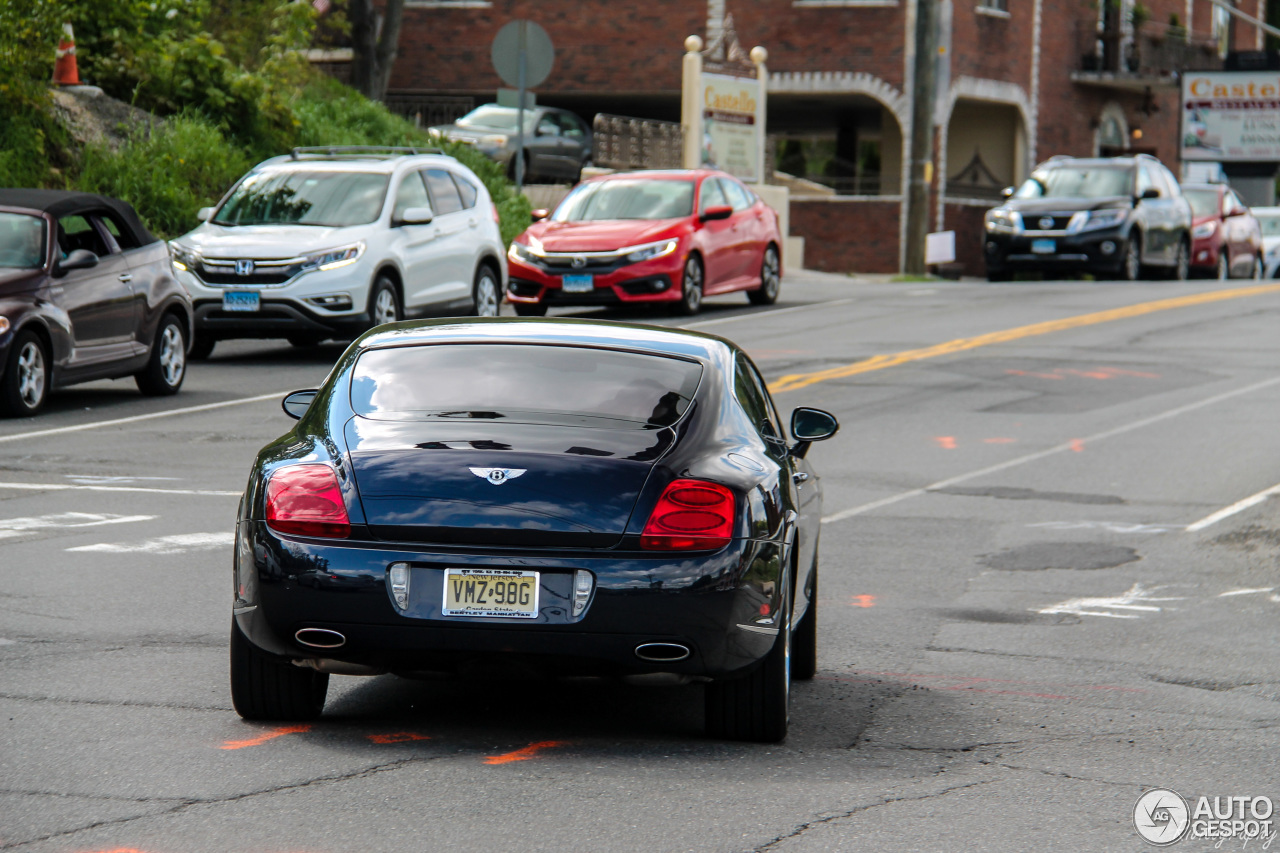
[{"x": 922, "y": 111}]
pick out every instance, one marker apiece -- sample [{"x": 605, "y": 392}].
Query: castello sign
[
  {"x": 1231, "y": 117},
  {"x": 730, "y": 102}
]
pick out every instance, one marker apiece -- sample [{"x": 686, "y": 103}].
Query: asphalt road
[{"x": 1019, "y": 633}]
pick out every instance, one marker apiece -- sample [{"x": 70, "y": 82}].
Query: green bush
[{"x": 169, "y": 174}]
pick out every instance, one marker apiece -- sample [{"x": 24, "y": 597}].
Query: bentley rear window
[{"x": 524, "y": 382}]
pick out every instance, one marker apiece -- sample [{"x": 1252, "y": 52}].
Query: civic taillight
[
  {"x": 690, "y": 516},
  {"x": 305, "y": 500}
]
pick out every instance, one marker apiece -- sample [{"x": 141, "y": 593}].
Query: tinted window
[
  {"x": 1077, "y": 182},
  {"x": 21, "y": 241},
  {"x": 548, "y": 126},
  {"x": 123, "y": 236},
  {"x": 412, "y": 193},
  {"x": 523, "y": 383},
  {"x": 627, "y": 199},
  {"x": 444, "y": 193},
  {"x": 1144, "y": 181},
  {"x": 467, "y": 190},
  {"x": 305, "y": 198},
  {"x": 572, "y": 127},
  {"x": 737, "y": 194},
  {"x": 496, "y": 117},
  {"x": 1203, "y": 202},
  {"x": 77, "y": 232},
  {"x": 1270, "y": 225},
  {"x": 754, "y": 397},
  {"x": 712, "y": 195}
]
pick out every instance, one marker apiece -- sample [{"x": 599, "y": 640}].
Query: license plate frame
[
  {"x": 241, "y": 300},
  {"x": 581, "y": 283},
  {"x": 1044, "y": 246},
  {"x": 454, "y": 605}
]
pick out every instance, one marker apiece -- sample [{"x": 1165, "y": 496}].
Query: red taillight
[
  {"x": 496, "y": 217},
  {"x": 690, "y": 516},
  {"x": 305, "y": 500}
]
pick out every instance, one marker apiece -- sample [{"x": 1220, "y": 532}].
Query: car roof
[
  {"x": 376, "y": 164},
  {"x": 1204, "y": 186},
  {"x": 563, "y": 331},
  {"x": 663, "y": 174},
  {"x": 59, "y": 203}
]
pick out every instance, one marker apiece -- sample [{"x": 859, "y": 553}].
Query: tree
[{"x": 375, "y": 40}]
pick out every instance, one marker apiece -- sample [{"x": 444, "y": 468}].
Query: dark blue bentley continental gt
[{"x": 575, "y": 497}]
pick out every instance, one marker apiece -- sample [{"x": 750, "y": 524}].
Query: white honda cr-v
[{"x": 328, "y": 242}]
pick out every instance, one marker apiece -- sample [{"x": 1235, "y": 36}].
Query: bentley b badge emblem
[{"x": 498, "y": 476}]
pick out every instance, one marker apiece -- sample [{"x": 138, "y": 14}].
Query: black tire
[
  {"x": 201, "y": 347},
  {"x": 1131, "y": 266},
  {"x": 525, "y": 309},
  {"x": 804, "y": 642},
  {"x": 691, "y": 283},
  {"x": 486, "y": 292},
  {"x": 24, "y": 387},
  {"x": 755, "y": 707},
  {"x": 167, "y": 366},
  {"x": 264, "y": 688},
  {"x": 1182, "y": 262},
  {"x": 303, "y": 340},
  {"x": 1259, "y": 268},
  {"x": 384, "y": 302},
  {"x": 770, "y": 279},
  {"x": 1222, "y": 271}
]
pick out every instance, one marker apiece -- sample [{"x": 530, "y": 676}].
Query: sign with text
[
  {"x": 732, "y": 138},
  {"x": 1231, "y": 116}
]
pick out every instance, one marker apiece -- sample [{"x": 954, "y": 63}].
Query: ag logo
[
  {"x": 498, "y": 476},
  {"x": 1161, "y": 817}
]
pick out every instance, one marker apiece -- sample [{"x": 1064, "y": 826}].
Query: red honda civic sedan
[{"x": 648, "y": 237}]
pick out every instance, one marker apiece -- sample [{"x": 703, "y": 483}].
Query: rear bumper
[{"x": 697, "y": 601}]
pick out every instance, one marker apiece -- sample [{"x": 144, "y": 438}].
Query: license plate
[
  {"x": 241, "y": 300},
  {"x": 1044, "y": 247},
  {"x": 506, "y": 593},
  {"x": 579, "y": 283}
]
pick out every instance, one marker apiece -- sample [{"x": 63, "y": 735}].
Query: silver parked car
[{"x": 557, "y": 144}]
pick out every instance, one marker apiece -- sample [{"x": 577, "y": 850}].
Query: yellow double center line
[{"x": 794, "y": 381}]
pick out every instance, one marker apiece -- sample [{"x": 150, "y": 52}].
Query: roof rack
[{"x": 357, "y": 151}]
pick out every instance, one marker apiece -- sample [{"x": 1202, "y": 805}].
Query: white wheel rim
[
  {"x": 384, "y": 308},
  {"x": 173, "y": 356},
  {"x": 31, "y": 375},
  {"x": 770, "y": 272},
  {"x": 692, "y": 285},
  {"x": 486, "y": 296}
]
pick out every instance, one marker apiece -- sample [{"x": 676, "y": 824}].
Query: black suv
[{"x": 1116, "y": 217}]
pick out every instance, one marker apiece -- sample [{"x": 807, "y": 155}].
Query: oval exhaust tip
[
  {"x": 662, "y": 652},
  {"x": 320, "y": 638}
]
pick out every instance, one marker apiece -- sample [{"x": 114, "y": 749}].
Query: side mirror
[
  {"x": 539, "y": 214},
  {"x": 417, "y": 216},
  {"x": 717, "y": 211},
  {"x": 79, "y": 259},
  {"x": 1150, "y": 192},
  {"x": 204, "y": 214},
  {"x": 295, "y": 405},
  {"x": 1007, "y": 192},
  {"x": 810, "y": 425}
]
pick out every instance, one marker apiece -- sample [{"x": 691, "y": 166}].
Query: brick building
[{"x": 1027, "y": 79}]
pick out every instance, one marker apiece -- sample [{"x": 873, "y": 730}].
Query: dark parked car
[
  {"x": 563, "y": 496},
  {"x": 1226, "y": 237},
  {"x": 86, "y": 292},
  {"x": 557, "y": 144},
  {"x": 1115, "y": 217}
]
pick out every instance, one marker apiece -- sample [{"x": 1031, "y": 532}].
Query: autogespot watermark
[{"x": 1163, "y": 817}]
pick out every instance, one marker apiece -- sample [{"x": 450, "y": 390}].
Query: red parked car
[
  {"x": 1226, "y": 238},
  {"x": 648, "y": 237}
]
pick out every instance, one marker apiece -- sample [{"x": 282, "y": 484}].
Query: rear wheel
[
  {"x": 167, "y": 366},
  {"x": 25, "y": 384},
  {"x": 804, "y": 645},
  {"x": 263, "y": 688},
  {"x": 691, "y": 287},
  {"x": 524, "y": 309},
  {"x": 770, "y": 280},
  {"x": 756, "y": 707},
  {"x": 486, "y": 294},
  {"x": 384, "y": 302}
]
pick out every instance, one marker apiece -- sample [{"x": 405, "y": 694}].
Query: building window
[
  {"x": 994, "y": 5},
  {"x": 1222, "y": 30}
]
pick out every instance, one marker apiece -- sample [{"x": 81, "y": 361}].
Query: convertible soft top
[{"x": 59, "y": 203}]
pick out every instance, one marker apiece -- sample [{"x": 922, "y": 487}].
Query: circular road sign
[{"x": 539, "y": 53}]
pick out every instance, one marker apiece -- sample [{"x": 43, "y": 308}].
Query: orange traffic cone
[{"x": 65, "y": 72}]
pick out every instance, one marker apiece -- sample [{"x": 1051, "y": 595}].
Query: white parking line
[
  {"x": 41, "y": 433},
  {"x": 1072, "y": 445},
  {"x": 756, "y": 315},
  {"x": 1238, "y": 506},
  {"x": 11, "y": 527},
  {"x": 178, "y": 544},
  {"x": 63, "y": 487}
]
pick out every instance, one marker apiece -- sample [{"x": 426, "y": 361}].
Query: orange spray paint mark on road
[
  {"x": 1077, "y": 445},
  {"x": 946, "y": 442},
  {"x": 525, "y": 754},
  {"x": 999, "y": 440},
  {"x": 863, "y": 601},
  {"x": 398, "y": 737},
  {"x": 263, "y": 738}
]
